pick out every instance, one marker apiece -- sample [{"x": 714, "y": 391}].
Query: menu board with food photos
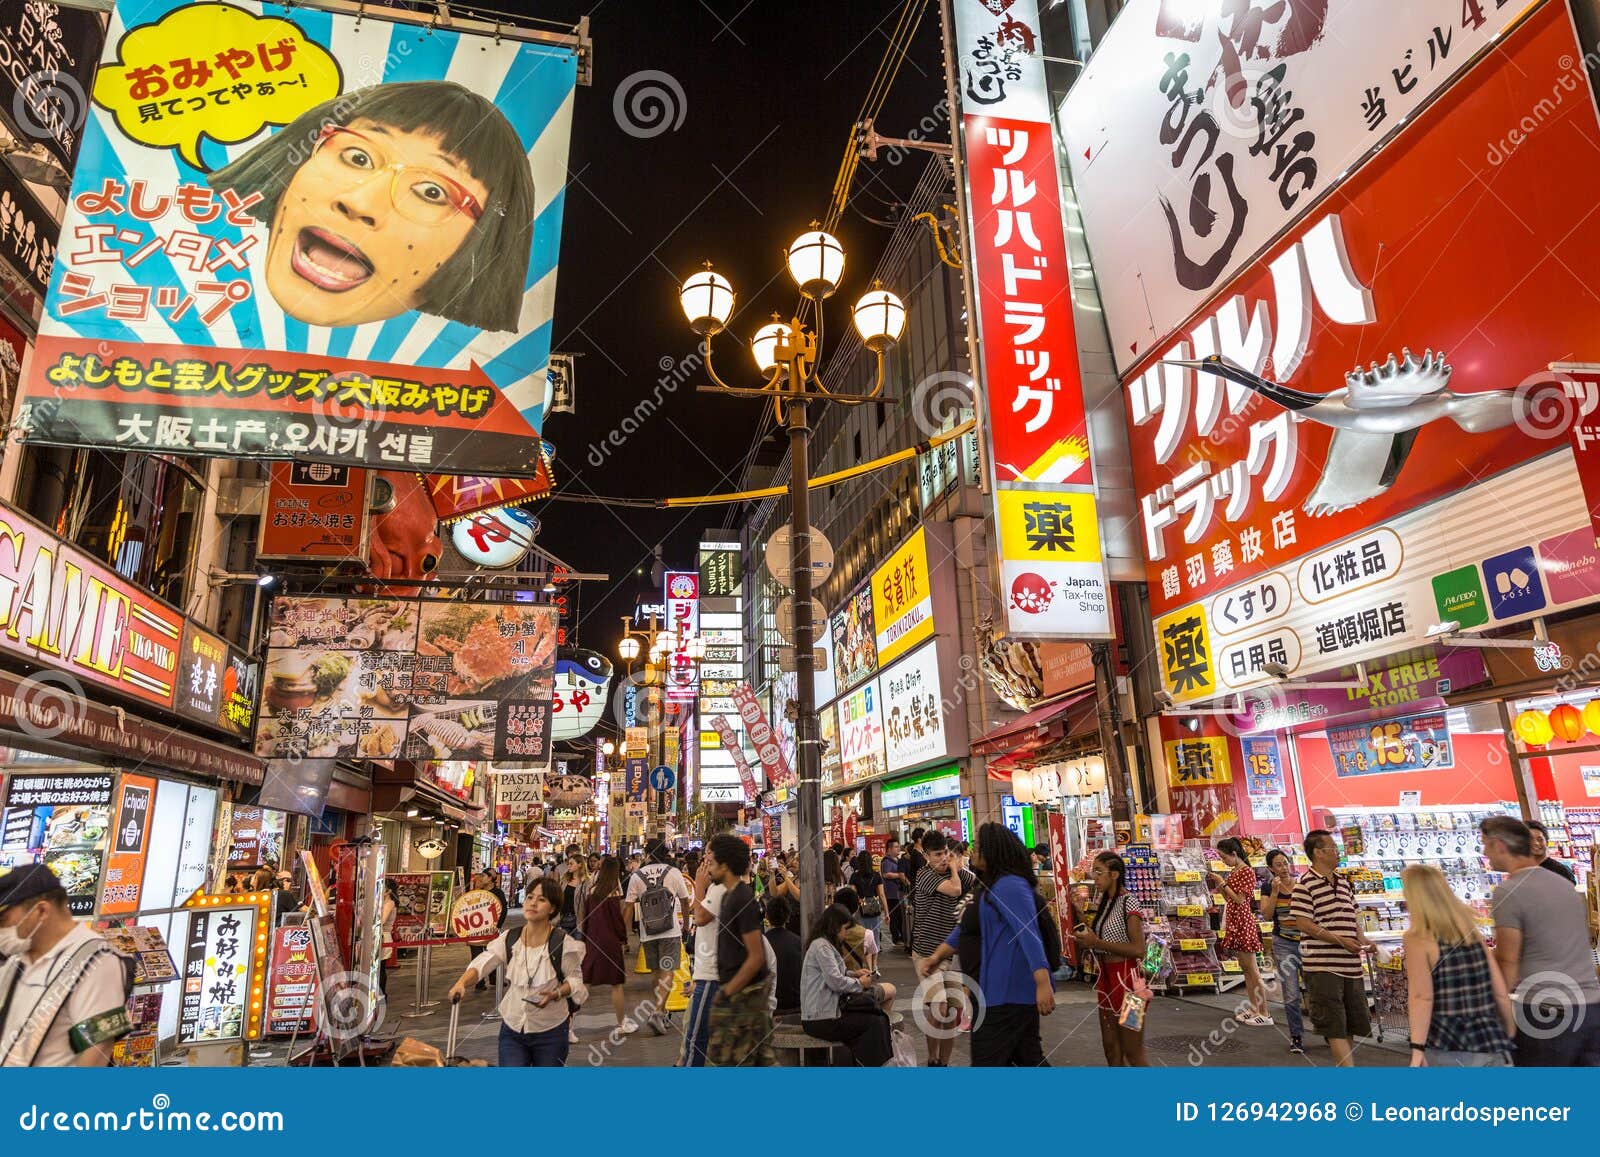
[
  {"x": 65, "y": 818},
  {"x": 416, "y": 679},
  {"x": 216, "y": 975},
  {"x": 145, "y": 946}
]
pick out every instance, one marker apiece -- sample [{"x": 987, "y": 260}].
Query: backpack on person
[
  {"x": 555, "y": 945},
  {"x": 658, "y": 908}
]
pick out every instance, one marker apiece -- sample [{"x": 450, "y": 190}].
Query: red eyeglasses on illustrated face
[{"x": 428, "y": 197}]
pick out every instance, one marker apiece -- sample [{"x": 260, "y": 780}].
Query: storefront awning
[
  {"x": 1038, "y": 727},
  {"x": 116, "y": 736}
]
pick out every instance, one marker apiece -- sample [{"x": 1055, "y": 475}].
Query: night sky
[{"x": 770, "y": 92}]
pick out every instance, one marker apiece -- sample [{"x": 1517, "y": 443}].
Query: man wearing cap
[{"x": 63, "y": 988}]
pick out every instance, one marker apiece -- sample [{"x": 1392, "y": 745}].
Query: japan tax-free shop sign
[{"x": 293, "y": 234}]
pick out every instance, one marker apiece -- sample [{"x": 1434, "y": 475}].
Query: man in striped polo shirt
[{"x": 1331, "y": 946}]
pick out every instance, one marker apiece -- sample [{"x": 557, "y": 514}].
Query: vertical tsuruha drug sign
[{"x": 1034, "y": 414}]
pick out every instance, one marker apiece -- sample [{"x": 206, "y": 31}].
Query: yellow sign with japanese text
[
  {"x": 1198, "y": 762},
  {"x": 1183, "y": 640},
  {"x": 1052, "y": 575},
  {"x": 902, "y": 599}
]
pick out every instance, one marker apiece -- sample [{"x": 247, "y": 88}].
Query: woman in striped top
[
  {"x": 1115, "y": 934},
  {"x": 1276, "y": 904},
  {"x": 1460, "y": 1008}
]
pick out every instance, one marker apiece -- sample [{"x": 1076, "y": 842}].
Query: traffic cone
[
  {"x": 642, "y": 966},
  {"x": 678, "y": 995}
]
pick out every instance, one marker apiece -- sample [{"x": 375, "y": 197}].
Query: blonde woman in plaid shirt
[{"x": 1460, "y": 1008}]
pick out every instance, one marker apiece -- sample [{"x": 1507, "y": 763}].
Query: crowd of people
[
  {"x": 984, "y": 944},
  {"x": 973, "y": 919}
]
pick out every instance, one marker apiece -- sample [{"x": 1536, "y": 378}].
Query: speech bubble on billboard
[{"x": 212, "y": 70}]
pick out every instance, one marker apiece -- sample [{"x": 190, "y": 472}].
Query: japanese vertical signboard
[
  {"x": 710, "y": 772},
  {"x": 1034, "y": 417},
  {"x": 902, "y": 599},
  {"x": 683, "y": 620},
  {"x": 216, "y": 975},
  {"x": 293, "y": 234},
  {"x": 292, "y": 983},
  {"x": 913, "y": 715},
  {"x": 731, "y": 743},
  {"x": 1336, "y": 455},
  {"x": 721, "y": 574},
  {"x": 130, "y": 843},
  {"x": 861, "y": 751},
  {"x": 764, "y": 736}
]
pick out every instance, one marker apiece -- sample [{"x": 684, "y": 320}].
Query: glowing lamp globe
[
  {"x": 816, "y": 262},
  {"x": 1533, "y": 728},
  {"x": 707, "y": 300},
  {"x": 880, "y": 318},
  {"x": 764, "y": 346},
  {"x": 1591, "y": 716},
  {"x": 1566, "y": 721},
  {"x": 628, "y": 647}
]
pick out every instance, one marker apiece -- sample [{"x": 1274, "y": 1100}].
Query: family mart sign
[{"x": 929, "y": 787}]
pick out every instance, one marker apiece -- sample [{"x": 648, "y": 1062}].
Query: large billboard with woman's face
[{"x": 296, "y": 234}]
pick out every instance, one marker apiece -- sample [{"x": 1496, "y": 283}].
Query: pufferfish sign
[{"x": 294, "y": 234}]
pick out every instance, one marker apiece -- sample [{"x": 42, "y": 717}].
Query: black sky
[{"x": 770, "y": 91}]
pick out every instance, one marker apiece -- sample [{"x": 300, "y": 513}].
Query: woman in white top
[{"x": 535, "y": 1011}]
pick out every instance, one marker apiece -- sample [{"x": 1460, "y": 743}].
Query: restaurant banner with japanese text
[
  {"x": 414, "y": 679},
  {"x": 295, "y": 234},
  {"x": 1034, "y": 417},
  {"x": 1403, "y": 467}
]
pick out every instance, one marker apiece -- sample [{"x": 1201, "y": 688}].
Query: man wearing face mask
[{"x": 63, "y": 988}]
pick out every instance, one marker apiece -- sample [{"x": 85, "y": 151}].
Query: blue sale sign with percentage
[
  {"x": 1409, "y": 743},
  {"x": 1263, "y": 765}
]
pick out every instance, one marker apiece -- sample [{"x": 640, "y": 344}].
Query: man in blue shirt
[{"x": 1013, "y": 974}]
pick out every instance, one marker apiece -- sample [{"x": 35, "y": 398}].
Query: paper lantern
[
  {"x": 1533, "y": 728},
  {"x": 1591, "y": 716},
  {"x": 1566, "y": 721}
]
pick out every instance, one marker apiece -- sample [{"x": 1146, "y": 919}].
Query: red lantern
[{"x": 1567, "y": 722}]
